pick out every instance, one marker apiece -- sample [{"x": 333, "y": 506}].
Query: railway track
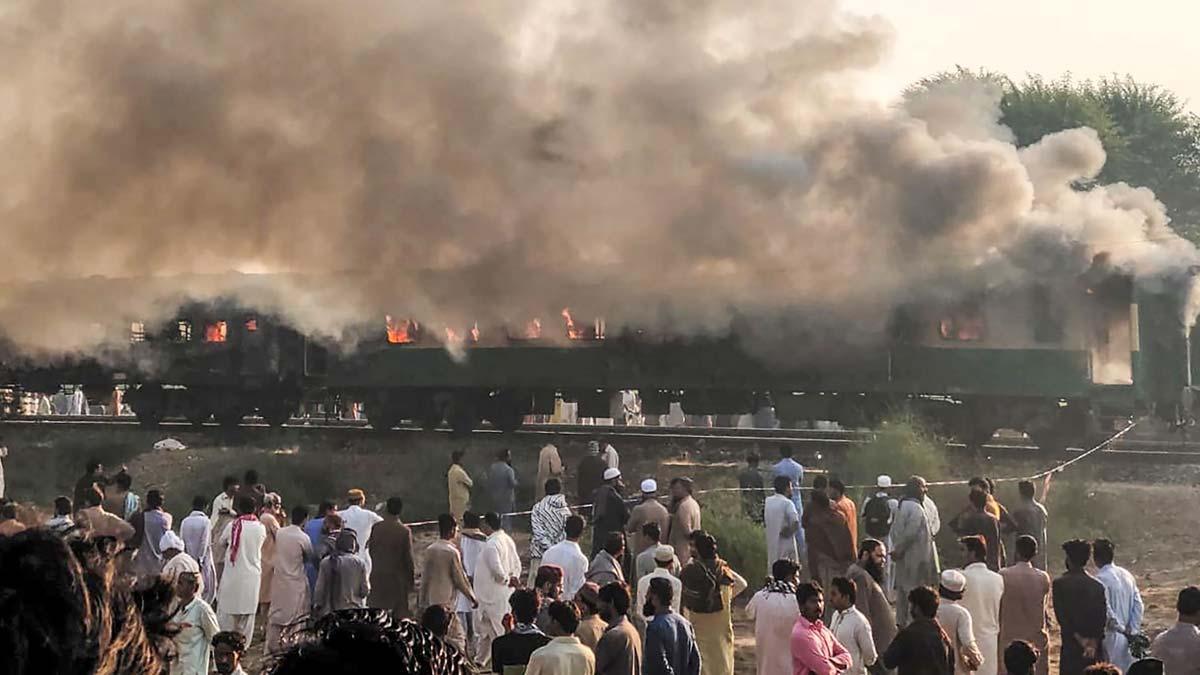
[{"x": 1156, "y": 451}]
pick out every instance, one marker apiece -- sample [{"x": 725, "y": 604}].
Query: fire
[
  {"x": 475, "y": 332},
  {"x": 533, "y": 329},
  {"x": 573, "y": 333},
  {"x": 451, "y": 335},
  {"x": 400, "y": 331},
  {"x": 215, "y": 331}
]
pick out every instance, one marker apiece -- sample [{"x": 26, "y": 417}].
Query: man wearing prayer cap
[
  {"x": 956, "y": 621},
  {"x": 609, "y": 512},
  {"x": 650, "y": 510},
  {"x": 175, "y": 561}
]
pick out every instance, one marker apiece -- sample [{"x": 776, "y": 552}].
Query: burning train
[{"x": 1060, "y": 363}]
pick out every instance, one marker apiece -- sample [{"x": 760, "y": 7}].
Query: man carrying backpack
[{"x": 878, "y": 513}]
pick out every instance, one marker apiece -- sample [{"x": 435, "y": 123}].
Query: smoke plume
[{"x": 686, "y": 164}]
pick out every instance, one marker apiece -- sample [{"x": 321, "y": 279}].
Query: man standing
[
  {"x": 9, "y": 525},
  {"x": 750, "y": 480},
  {"x": 921, "y": 647},
  {"x": 549, "y": 466},
  {"x": 196, "y": 532},
  {"x": 591, "y": 471},
  {"x": 356, "y": 518},
  {"x": 878, "y": 515},
  {"x": 315, "y": 529},
  {"x": 606, "y": 567},
  {"x": 786, "y": 466},
  {"x": 685, "y": 518},
  {"x": 515, "y": 647},
  {"x": 290, "y": 596},
  {"x": 982, "y": 600},
  {"x": 913, "y": 547},
  {"x": 548, "y": 522},
  {"x": 342, "y": 580},
  {"x": 197, "y": 625},
  {"x": 3, "y": 454},
  {"x": 497, "y": 573},
  {"x": 1081, "y": 611},
  {"x": 101, "y": 523},
  {"x": 871, "y": 600},
  {"x": 1024, "y": 609},
  {"x": 442, "y": 576},
  {"x": 1029, "y": 517},
  {"x": 564, "y": 655},
  {"x": 814, "y": 648},
  {"x": 221, "y": 514},
  {"x": 458, "y": 485},
  {"x": 393, "y": 572},
  {"x": 781, "y": 521},
  {"x": 237, "y": 597},
  {"x": 774, "y": 612},
  {"x": 830, "y": 550},
  {"x": 851, "y": 628},
  {"x": 502, "y": 486},
  {"x": 567, "y": 555},
  {"x": 619, "y": 651},
  {"x": 665, "y": 561},
  {"x": 93, "y": 476},
  {"x": 471, "y": 541},
  {"x": 1178, "y": 647},
  {"x": 977, "y": 521},
  {"x": 645, "y": 562},
  {"x": 149, "y": 526},
  {"x": 956, "y": 621},
  {"x": 1124, "y": 604},
  {"x": 845, "y": 506},
  {"x": 649, "y": 511},
  {"x": 175, "y": 561},
  {"x": 609, "y": 512},
  {"x": 670, "y": 641}
]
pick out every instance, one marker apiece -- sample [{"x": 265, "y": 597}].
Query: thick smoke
[{"x": 681, "y": 164}]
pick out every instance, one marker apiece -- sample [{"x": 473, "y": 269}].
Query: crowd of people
[{"x": 851, "y": 588}]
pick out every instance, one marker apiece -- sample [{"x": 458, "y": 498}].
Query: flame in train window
[
  {"x": 216, "y": 331},
  {"x": 251, "y": 324}
]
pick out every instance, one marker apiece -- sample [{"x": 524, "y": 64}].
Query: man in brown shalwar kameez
[
  {"x": 1023, "y": 607},
  {"x": 442, "y": 576},
  {"x": 392, "y": 569}
]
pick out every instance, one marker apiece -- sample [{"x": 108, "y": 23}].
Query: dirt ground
[{"x": 1149, "y": 511}]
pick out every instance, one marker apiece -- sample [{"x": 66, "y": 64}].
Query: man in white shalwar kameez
[
  {"x": 289, "y": 592},
  {"x": 981, "y": 599},
  {"x": 362, "y": 521},
  {"x": 497, "y": 573},
  {"x": 774, "y": 612},
  {"x": 237, "y": 597},
  {"x": 781, "y": 520},
  {"x": 470, "y": 542},
  {"x": 196, "y": 532},
  {"x": 1124, "y": 604},
  {"x": 914, "y": 552}
]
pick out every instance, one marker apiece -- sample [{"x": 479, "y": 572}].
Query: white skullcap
[
  {"x": 610, "y": 474},
  {"x": 170, "y": 540},
  {"x": 884, "y": 481},
  {"x": 953, "y": 580},
  {"x": 649, "y": 486}
]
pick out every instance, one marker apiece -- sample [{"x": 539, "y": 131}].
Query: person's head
[
  {"x": 347, "y": 541},
  {"x": 358, "y": 641},
  {"x": 186, "y": 585},
  {"x": 395, "y": 506},
  {"x": 785, "y": 451},
  {"x": 437, "y": 619},
  {"x": 123, "y": 481},
  {"x": 872, "y": 554},
  {"x": 170, "y": 544},
  {"x": 664, "y": 556},
  {"x": 470, "y": 520},
  {"x": 681, "y": 488},
  {"x": 614, "y": 601},
  {"x": 837, "y": 489},
  {"x": 978, "y": 499},
  {"x": 588, "y": 599},
  {"x": 705, "y": 545},
  {"x": 614, "y": 544},
  {"x": 63, "y": 506},
  {"x": 811, "y": 599},
  {"x": 456, "y": 457},
  {"x": 230, "y": 485},
  {"x": 325, "y": 508},
  {"x": 356, "y": 497},
  {"x": 8, "y": 511},
  {"x": 974, "y": 549},
  {"x": 228, "y": 648},
  {"x": 199, "y": 503},
  {"x": 503, "y": 455},
  {"x": 1078, "y": 553},
  {"x": 842, "y": 593},
  {"x": 1146, "y": 666},
  {"x": 784, "y": 570},
  {"x": 752, "y": 460},
  {"x": 916, "y": 487},
  {"x": 820, "y": 499},
  {"x": 243, "y": 505},
  {"x": 154, "y": 499},
  {"x": 93, "y": 467},
  {"x": 93, "y": 496},
  {"x": 923, "y": 603},
  {"x": 1103, "y": 668},
  {"x": 1020, "y": 657},
  {"x": 250, "y": 478},
  {"x": 1102, "y": 552},
  {"x": 573, "y": 528},
  {"x": 978, "y": 484},
  {"x": 564, "y": 619},
  {"x": 1025, "y": 488},
  {"x": 651, "y": 534},
  {"x": 549, "y": 581},
  {"x": 596, "y": 447},
  {"x": 821, "y": 484},
  {"x": 447, "y": 527},
  {"x": 991, "y": 485},
  {"x": 783, "y": 486},
  {"x": 612, "y": 476},
  {"x": 1026, "y": 548},
  {"x": 659, "y": 596},
  {"x": 525, "y": 604},
  {"x": 649, "y": 489},
  {"x": 553, "y": 486},
  {"x": 952, "y": 585},
  {"x": 491, "y": 522},
  {"x": 299, "y": 515},
  {"x": 1188, "y": 605},
  {"x": 332, "y": 523}
]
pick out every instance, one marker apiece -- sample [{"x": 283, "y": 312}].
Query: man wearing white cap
[
  {"x": 664, "y": 557},
  {"x": 981, "y": 598},
  {"x": 609, "y": 512},
  {"x": 956, "y": 622},
  {"x": 175, "y": 561},
  {"x": 649, "y": 511}
]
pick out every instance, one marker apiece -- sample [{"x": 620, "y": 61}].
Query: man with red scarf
[{"x": 237, "y": 598}]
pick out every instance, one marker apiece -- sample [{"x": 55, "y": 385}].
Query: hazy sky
[{"x": 1153, "y": 40}]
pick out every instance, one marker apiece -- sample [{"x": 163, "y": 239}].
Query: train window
[
  {"x": 183, "y": 331},
  {"x": 137, "y": 332},
  {"x": 216, "y": 331},
  {"x": 964, "y": 323},
  {"x": 1047, "y": 325},
  {"x": 251, "y": 324},
  {"x": 400, "y": 331}
]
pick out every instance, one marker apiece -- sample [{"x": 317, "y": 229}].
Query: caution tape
[{"x": 943, "y": 483}]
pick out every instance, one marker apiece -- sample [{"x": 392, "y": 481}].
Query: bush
[
  {"x": 901, "y": 447},
  {"x": 740, "y": 541}
]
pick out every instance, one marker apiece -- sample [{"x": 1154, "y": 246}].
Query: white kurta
[
  {"x": 774, "y": 616},
  {"x": 240, "y": 580},
  {"x": 181, "y": 563},
  {"x": 362, "y": 522},
  {"x": 982, "y": 600},
  {"x": 470, "y": 548},
  {"x": 853, "y": 630},
  {"x": 574, "y": 564},
  {"x": 956, "y": 622},
  {"x": 196, "y": 532},
  {"x": 779, "y": 513},
  {"x": 498, "y": 562},
  {"x": 198, "y": 625},
  {"x": 1124, "y": 613},
  {"x": 3, "y": 453}
]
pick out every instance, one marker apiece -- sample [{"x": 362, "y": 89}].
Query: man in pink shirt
[{"x": 814, "y": 649}]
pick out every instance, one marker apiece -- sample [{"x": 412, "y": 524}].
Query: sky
[{"x": 1152, "y": 40}]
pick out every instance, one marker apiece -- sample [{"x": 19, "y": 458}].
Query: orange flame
[
  {"x": 533, "y": 329},
  {"x": 400, "y": 331},
  {"x": 573, "y": 333},
  {"x": 475, "y": 332}
]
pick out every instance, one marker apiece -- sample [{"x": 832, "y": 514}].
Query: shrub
[{"x": 901, "y": 447}]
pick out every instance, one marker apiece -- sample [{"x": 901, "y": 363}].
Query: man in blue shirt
[
  {"x": 670, "y": 641},
  {"x": 313, "y": 529},
  {"x": 794, "y": 471}
]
